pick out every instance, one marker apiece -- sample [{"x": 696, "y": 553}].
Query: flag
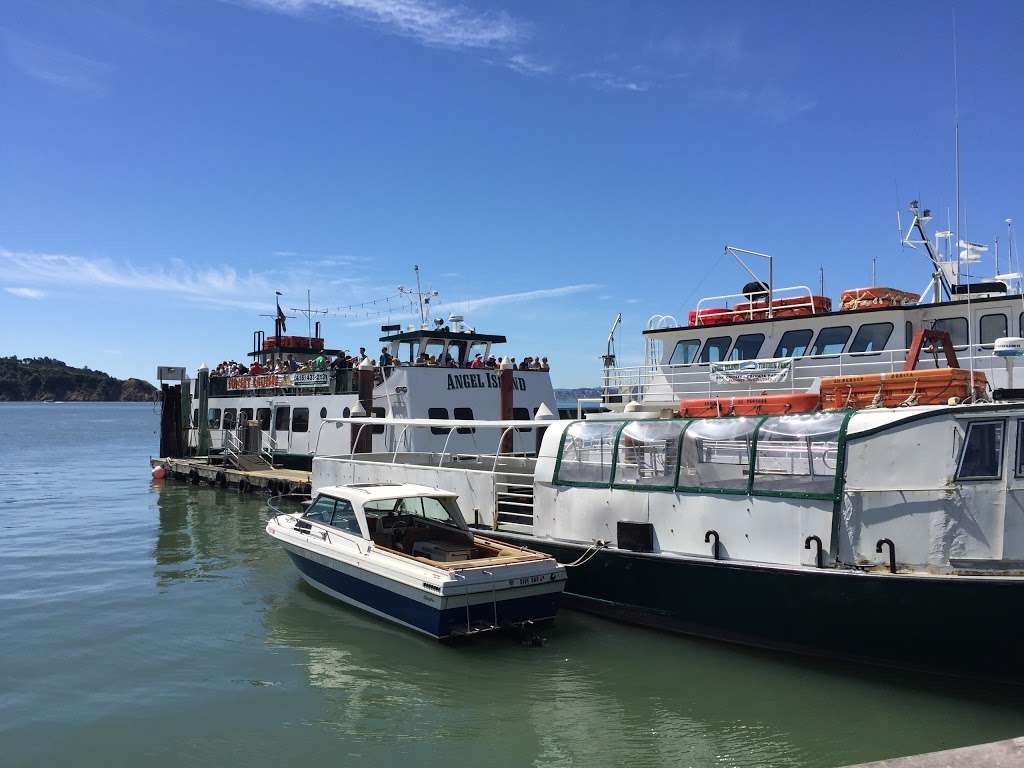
[{"x": 281, "y": 316}]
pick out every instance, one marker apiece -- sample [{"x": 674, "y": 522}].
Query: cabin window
[
  {"x": 230, "y": 418},
  {"x": 909, "y": 334},
  {"x": 684, "y": 352},
  {"x": 716, "y": 454},
  {"x": 798, "y": 455},
  {"x": 992, "y": 327},
  {"x": 521, "y": 414},
  {"x": 320, "y": 510},
  {"x": 323, "y": 413},
  {"x": 715, "y": 349},
  {"x": 377, "y": 413},
  {"x": 435, "y": 348},
  {"x": 344, "y": 517},
  {"x": 300, "y": 420},
  {"x": 195, "y": 417},
  {"x": 213, "y": 418},
  {"x": 871, "y": 337},
  {"x": 244, "y": 415},
  {"x": 464, "y": 414},
  {"x": 1019, "y": 469},
  {"x": 982, "y": 455},
  {"x": 281, "y": 418},
  {"x": 648, "y": 453},
  {"x": 794, "y": 343},
  {"x": 438, "y": 413},
  {"x": 956, "y": 327},
  {"x": 747, "y": 347},
  {"x": 263, "y": 416},
  {"x": 586, "y": 454},
  {"x": 831, "y": 341},
  {"x": 476, "y": 347}
]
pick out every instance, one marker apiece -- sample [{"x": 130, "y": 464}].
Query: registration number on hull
[{"x": 526, "y": 580}]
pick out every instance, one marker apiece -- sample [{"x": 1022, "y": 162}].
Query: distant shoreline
[{"x": 45, "y": 379}]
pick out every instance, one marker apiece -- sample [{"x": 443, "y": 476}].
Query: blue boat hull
[{"x": 439, "y": 623}]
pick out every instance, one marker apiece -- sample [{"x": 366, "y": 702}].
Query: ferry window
[
  {"x": 956, "y": 327},
  {"x": 794, "y": 343},
  {"x": 195, "y": 417},
  {"x": 230, "y": 418},
  {"x": 377, "y": 413},
  {"x": 747, "y": 347},
  {"x": 407, "y": 352},
  {"x": 281, "y": 418},
  {"x": 320, "y": 510},
  {"x": 300, "y": 420},
  {"x": 871, "y": 337},
  {"x": 982, "y": 455},
  {"x": 465, "y": 414},
  {"x": 685, "y": 352},
  {"x": 1019, "y": 470},
  {"x": 345, "y": 517},
  {"x": 992, "y": 327},
  {"x": 263, "y": 416},
  {"x": 798, "y": 454},
  {"x": 438, "y": 413},
  {"x": 909, "y": 333},
  {"x": 648, "y": 452},
  {"x": 521, "y": 414},
  {"x": 715, "y": 349},
  {"x": 474, "y": 348},
  {"x": 831, "y": 341},
  {"x": 213, "y": 418},
  {"x": 244, "y": 415},
  {"x": 346, "y": 412},
  {"x": 323, "y": 413},
  {"x": 716, "y": 454},
  {"x": 586, "y": 455}
]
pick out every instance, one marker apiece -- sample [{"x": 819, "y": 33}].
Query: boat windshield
[{"x": 443, "y": 511}]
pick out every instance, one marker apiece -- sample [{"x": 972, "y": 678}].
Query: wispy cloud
[
  {"x": 767, "y": 101},
  {"x": 27, "y": 293},
  {"x": 711, "y": 45},
  {"x": 428, "y": 21},
  {"x": 443, "y": 309},
  {"x": 52, "y": 65},
  {"x": 220, "y": 286},
  {"x": 612, "y": 82},
  {"x": 525, "y": 64}
]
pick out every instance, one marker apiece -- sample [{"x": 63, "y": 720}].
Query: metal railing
[
  {"x": 670, "y": 383},
  {"x": 793, "y": 296},
  {"x": 268, "y": 448}
]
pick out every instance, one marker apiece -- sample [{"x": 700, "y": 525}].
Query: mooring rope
[{"x": 588, "y": 555}]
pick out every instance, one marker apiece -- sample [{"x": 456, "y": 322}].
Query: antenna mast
[
  {"x": 422, "y": 298},
  {"x": 956, "y": 142}
]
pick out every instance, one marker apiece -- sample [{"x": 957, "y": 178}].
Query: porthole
[{"x": 323, "y": 413}]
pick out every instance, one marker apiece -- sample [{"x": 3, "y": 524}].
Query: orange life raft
[
  {"x": 865, "y": 298},
  {"x": 751, "y": 405},
  {"x": 890, "y": 390},
  {"x": 710, "y": 316},
  {"x": 791, "y": 307}
]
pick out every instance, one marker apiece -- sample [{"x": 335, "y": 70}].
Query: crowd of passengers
[{"x": 344, "y": 362}]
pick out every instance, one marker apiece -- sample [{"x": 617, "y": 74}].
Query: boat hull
[
  {"x": 436, "y": 616},
  {"x": 952, "y": 625}
]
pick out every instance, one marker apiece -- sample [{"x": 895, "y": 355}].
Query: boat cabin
[{"x": 413, "y": 521}]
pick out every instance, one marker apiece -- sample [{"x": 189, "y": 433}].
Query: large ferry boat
[
  {"x": 434, "y": 371},
  {"x": 838, "y": 483}
]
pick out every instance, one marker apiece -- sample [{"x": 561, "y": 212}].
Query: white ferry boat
[
  {"x": 295, "y": 409},
  {"x": 846, "y": 484}
]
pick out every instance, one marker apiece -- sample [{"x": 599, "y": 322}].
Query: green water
[{"x": 156, "y": 624}]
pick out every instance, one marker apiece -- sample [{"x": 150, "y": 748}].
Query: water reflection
[
  {"x": 203, "y": 532},
  {"x": 597, "y": 693}
]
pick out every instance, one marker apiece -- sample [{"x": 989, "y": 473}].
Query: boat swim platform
[{"x": 212, "y": 470}]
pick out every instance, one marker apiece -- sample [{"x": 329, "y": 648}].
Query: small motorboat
[{"x": 406, "y": 554}]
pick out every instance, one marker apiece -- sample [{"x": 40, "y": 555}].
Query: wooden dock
[{"x": 212, "y": 471}]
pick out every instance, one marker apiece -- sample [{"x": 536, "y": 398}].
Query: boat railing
[
  {"x": 673, "y": 382},
  {"x": 796, "y": 297},
  {"x": 268, "y": 448}
]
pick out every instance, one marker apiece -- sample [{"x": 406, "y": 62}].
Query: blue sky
[{"x": 165, "y": 166}]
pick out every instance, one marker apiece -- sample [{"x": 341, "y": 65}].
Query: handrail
[{"x": 747, "y": 298}]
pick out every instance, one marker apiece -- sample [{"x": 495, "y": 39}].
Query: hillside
[{"x": 43, "y": 378}]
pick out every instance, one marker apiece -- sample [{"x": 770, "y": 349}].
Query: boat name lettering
[
  {"x": 482, "y": 381},
  {"x": 275, "y": 380}
]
